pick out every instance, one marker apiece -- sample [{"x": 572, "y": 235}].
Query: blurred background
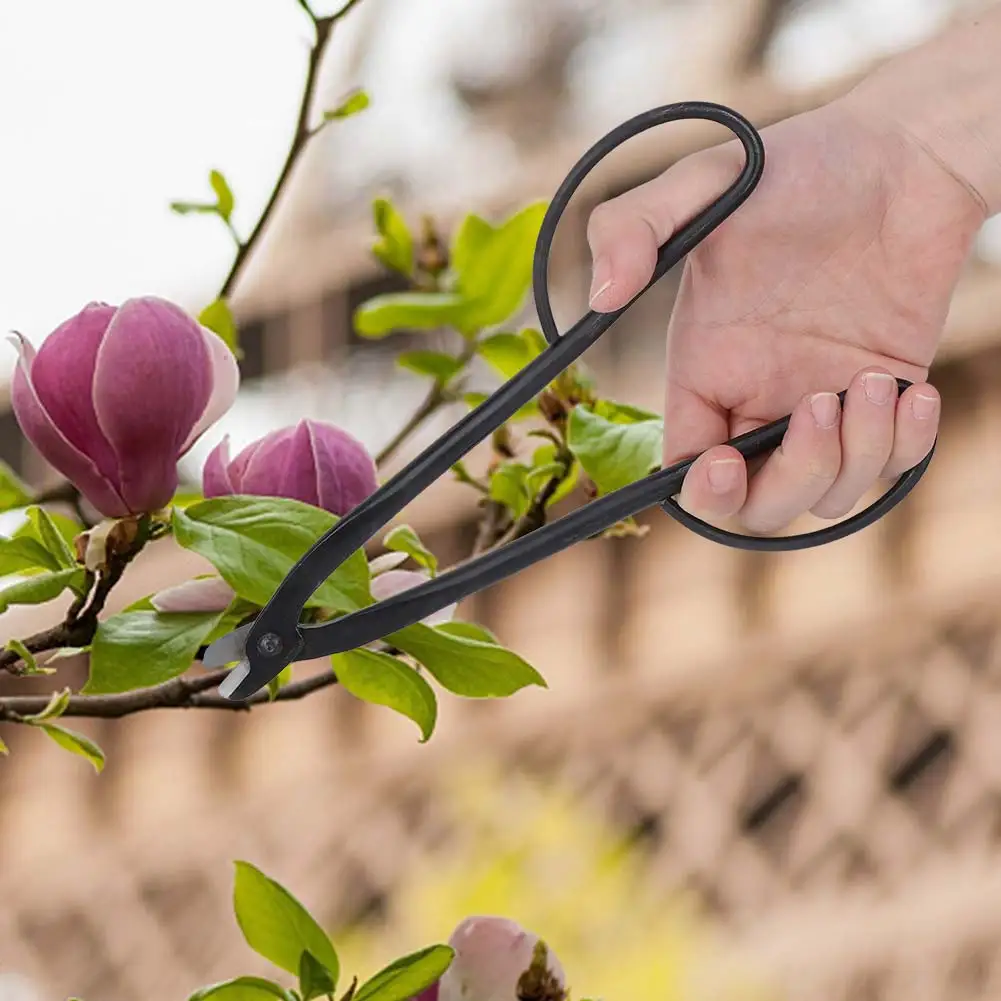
[{"x": 780, "y": 772}]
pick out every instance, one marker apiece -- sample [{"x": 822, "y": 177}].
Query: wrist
[{"x": 945, "y": 96}]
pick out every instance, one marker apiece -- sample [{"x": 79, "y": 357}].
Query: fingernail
[
  {"x": 878, "y": 387},
  {"x": 924, "y": 407},
  {"x": 825, "y": 408},
  {"x": 723, "y": 475},
  {"x": 601, "y": 279}
]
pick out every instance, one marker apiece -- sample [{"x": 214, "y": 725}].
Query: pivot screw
[{"x": 270, "y": 644}]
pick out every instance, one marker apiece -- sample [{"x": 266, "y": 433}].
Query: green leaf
[
  {"x": 314, "y": 978},
  {"x": 224, "y": 196},
  {"x": 385, "y": 681},
  {"x": 441, "y": 367},
  {"x": 466, "y": 667},
  {"x": 24, "y": 553},
  {"x": 508, "y": 487},
  {"x": 623, "y": 413},
  {"x": 139, "y": 649},
  {"x": 41, "y": 588},
  {"x": 545, "y": 459},
  {"x": 524, "y": 412},
  {"x": 395, "y": 311},
  {"x": 276, "y": 925},
  {"x": 57, "y": 705},
  {"x": 44, "y": 528},
  {"x": 76, "y": 743},
  {"x": 351, "y": 105},
  {"x": 276, "y": 684},
  {"x": 407, "y": 977},
  {"x": 508, "y": 354},
  {"x": 242, "y": 989},
  {"x": 468, "y": 630},
  {"x": 471, "y": 238},
  {"x": 30, "y": 664},
  {"x": 614, "y": 455},
  {"x": 255, "y": 541},
  {"x": 200, "y": 208},
  {"x": 395, "y": 248},
  {"x": 403, "y": 539},
  {"x": 218, "y": 317},
  {"x": 14, "y": 493},
  {"x": 494, "y": 270}
]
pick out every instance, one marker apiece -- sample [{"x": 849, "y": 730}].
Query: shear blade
[{"x": 227, "y": 649}]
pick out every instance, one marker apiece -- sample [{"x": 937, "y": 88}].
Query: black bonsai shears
[{"x": 276, "y": 638}]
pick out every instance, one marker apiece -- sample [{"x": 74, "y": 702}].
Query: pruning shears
[{"x": 276, "y": 638}]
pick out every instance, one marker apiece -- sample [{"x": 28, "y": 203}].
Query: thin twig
[{"x": 195, "y": 692}]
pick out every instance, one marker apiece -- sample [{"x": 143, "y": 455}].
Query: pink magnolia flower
[
  {"x": 312, "y": 462},
  {"x": 115, "y": 396},
  {"x": 491, "y": 955}
]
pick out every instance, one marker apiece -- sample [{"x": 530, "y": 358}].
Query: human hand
[{"x": 836, "y": 273}]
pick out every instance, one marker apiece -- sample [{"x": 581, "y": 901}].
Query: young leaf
[
  {"x": 43, "y": 527},
  {"x": 140, "y": 649},
  {"x": 255, "y": 541},
  {"x": 75, "y": 743},
  {"x": 441, "y": 367},
  {"x": 544, "y": 464},
  {"x": 224, "y": 196},
  {"x": 508, "y": 487},
  {"x": 614, "y": 455},
  {"x": 471, "y": 238},
  {"x": 494, "y": 270},
  {"x": 218, "y": 317},
  {"x": 408, "y": 976},
  {"x": 4, "y": 750},
  {"x": 24, "y": 554},
  {"x": 28, "y": 658},
  {"x": 623, "y": 413},
  {"x": 56, "y": 707},
  {"x": 243, "y": 989},
  {"x": 41, "y": 588},
  {"x": 276, "y": 684},
  {"x": 385, "y": 681},
  {"x": 314, "y": 980},
  {"x": 385, "y": 314},
  {"x": 199, "y": 208},
  {"x": 467, "y": 630},
  {"x": 464, "y": 666},
  {"x": 351, "y": 105},
  {"x": 395, "y": 248},
  {"x": 13, "y": 492},
  {"x": 508, "y": 354},
  {"x": 404, "y": 539},
  {"x": 276, "y": 925}
]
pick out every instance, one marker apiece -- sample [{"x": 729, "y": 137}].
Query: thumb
[{"x": 626, "y": 232}]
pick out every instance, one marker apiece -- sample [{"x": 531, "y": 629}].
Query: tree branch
[{"x": 193, "y": 692}]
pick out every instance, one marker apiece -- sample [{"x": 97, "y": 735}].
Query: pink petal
[
  {"x": 152, "y": 382},
  {"x": 238, "y": 467},
  {"x": 216, "y": 481},
  {"x": 491, "y": 954},
  {"x": 225, "y": 386},
  {"x": 299, "y": 471},
  {"x": 345, "y": 472},
  {"x": 208, "y": 594},
  {"x": 263, "y": 470},
  {"x": 53, "y": 446},
  {"x": 63, "y": 374}
]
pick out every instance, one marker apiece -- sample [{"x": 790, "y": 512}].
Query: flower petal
[
  {"x": 345, "y": 472},
  {"x": 63, "y": 374},
  {"x": 216, "y": 481},
  {"x": 152, "y": 382},
  {"x": 53, "y": 446},
  {"x": 225, "y": 386},
  {"x": 263, "y": 471},
  {"x": 206, "y": 594}
]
